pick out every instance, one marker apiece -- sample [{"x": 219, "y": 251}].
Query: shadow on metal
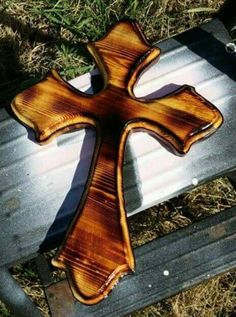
[
  {"x": 227, "y": 14},
  {"x": 224, "y": 61}
]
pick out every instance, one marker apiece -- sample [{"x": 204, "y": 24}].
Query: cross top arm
[{"x": 122, "y": 54}]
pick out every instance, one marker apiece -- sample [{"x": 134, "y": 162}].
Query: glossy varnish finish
[{"x": 97, "y": 250}]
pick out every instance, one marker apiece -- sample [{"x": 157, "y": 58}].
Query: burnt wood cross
[{"x": 97, "y": 250}]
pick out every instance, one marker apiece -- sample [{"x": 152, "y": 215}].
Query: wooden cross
[{"x": 97, "y": 251}]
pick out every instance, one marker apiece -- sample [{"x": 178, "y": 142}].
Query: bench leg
[
  {"x": 60, "y": 300},
  {"x": 15, "y": 298}
]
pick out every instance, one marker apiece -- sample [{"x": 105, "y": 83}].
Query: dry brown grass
[{"x": 179, "y": 212}]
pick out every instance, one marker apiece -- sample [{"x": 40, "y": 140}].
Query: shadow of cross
[{"x": 97, "y": 251}]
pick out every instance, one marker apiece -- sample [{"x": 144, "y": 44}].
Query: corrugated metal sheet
[{"x": 40, "y": 187}]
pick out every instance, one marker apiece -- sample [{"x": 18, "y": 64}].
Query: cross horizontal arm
[
  {"x": 179, "y": 119},
  {"x": 52, "y": 107}
]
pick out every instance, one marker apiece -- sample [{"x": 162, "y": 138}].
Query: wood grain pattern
[{"x": 97, "y": 251}]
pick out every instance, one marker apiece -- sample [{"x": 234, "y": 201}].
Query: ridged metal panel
[{"x": 40, "y": 187}]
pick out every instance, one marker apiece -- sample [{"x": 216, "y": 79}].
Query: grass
[{"x": 38, "y": 35}]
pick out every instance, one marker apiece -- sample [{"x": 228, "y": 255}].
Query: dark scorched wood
[{"x": 97, "y": 251}]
